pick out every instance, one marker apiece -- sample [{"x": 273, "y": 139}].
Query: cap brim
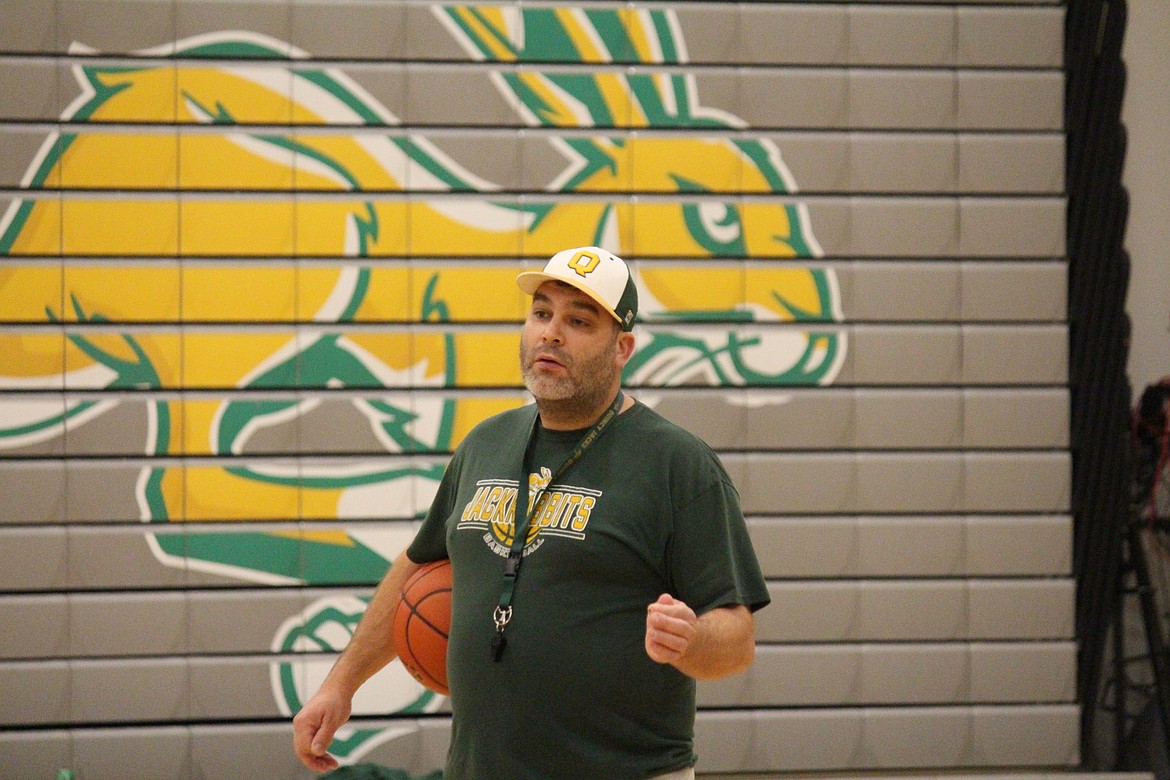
[{"x": 530, "y": 281}]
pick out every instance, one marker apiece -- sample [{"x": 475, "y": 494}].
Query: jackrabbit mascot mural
[{"x": 275, "y": 337}]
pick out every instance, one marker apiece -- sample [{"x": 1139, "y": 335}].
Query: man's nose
[{"x": 552, "y": 331}]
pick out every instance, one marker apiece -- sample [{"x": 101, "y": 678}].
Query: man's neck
[{"x": 567, "y": 415}]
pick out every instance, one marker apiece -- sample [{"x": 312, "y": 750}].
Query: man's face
[{"x": 571, "y": 350}]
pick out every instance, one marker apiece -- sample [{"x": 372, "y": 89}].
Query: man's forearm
[
  {"x": 372, "y": 644},
  {"x": 724, "y": 644}
]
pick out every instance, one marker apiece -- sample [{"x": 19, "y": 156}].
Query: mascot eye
[
  {"x": 715, "y": 225},
  {"x": 721, "y": 222}
]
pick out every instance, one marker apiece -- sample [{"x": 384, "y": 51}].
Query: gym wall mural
[
  {"x": 171, "y": 241},
  {"x": 253, "y": 294}
]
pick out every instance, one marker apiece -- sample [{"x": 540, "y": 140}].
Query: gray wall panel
[
  {"x": 995, "y": 418},
  {"x": 903, "y": 227},
  {"x": 36, "y": 753},
  {"x": 360, "y": 29},
  {"x": 144, "y": 690},
  {"x": 37, "y": 692},
  {"x": 470, "y": 98},
  {"x": 58, "y": 559},
  {"x": 908, "y": 419},
  {"x": 917, "y": 610},
  {"x": 1023, "y": 227},
  {"x": 1012, "y": 100},
  {"x": 38, "y": 559},
  {"x": 811, "y": 34},
  {"x": 977, "y": 355},
  {"x": 902, "y": 162},
  {"x": 120, "y": 557},
  {"x": 1010, "y": 163},
  {"x": 132, "y": 752},
  {"x": 931, "y": 546},
  {"x": 128, "y": 624},
  {"x": 1023, "y": 672},
  {"x": 29, "y": 26},
  {"x": 905, "y": 292},
  {"x": 1038, "y": 609},
  {"x": 1023, "y": 482},
  {"x": 32, "y": 492},
  {"x": 997, "y": 355},
  {"x": 119, "y": 431},
  {"x": 245, "y": 621},
  {"x": 1031, "y": 291},
  {"x": 910, "y": 99},
  {"x": 898, "y": 739},
  {"x": 36, "y": 627},
  {"x": 786, "y": 420},
  {"x": 788, "y": 99},
  {"x": 39, "y": 98},
  {"x": 125, "y": 624},
  {"x": 225, "y": 688},
  {"x": 811, "y": 483},
  {"x": 892, "y": 355},
  {"x": 820, "y": 160},
  {"x": 926, "y": 674},
  {"x": 920, "y": 546},
  {"x": 929, "y": 673},
  {"x": 901, "y": 36},
  {"x": 909, "y": 482},
  {"x": 1020, "y": 545},
  {"x": 204, "y": 16},
  {"x": 114, "y": 26},
  {"x": 1041, "y": 734},
  {"x": 97, "y": 492},
  {"x": 998, "y": 36}
]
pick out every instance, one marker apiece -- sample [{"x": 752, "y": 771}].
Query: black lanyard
[{"x": 523, "y": 512}]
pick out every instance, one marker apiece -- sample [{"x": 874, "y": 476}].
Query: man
[{"x": 576, "y": 635}]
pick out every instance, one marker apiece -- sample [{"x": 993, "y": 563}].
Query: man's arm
[
  {"x": 370, "y": 649},
  {"x": 721, "y": 642}
]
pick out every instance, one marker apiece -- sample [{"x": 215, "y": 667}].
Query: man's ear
[{"x": 625, "y": 347}]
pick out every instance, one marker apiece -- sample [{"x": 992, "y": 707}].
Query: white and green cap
[{"x": 598, "y": 273}]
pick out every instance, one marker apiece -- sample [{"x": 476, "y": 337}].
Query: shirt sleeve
[
  {"x": 430, "y": 543},
  {"x": 712, "y": 561}
]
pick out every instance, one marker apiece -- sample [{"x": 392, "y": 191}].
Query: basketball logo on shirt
[{"x": 563, "y": 511}]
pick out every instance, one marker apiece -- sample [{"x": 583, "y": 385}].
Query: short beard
[{"x": 588, "y": 387}]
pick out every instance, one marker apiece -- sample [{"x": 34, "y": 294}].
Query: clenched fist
[{"x": 671, "y": 627}]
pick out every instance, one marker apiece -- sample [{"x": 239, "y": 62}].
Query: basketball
[{"x": 422, "y": 622}]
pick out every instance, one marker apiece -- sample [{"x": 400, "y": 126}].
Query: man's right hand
[
  {"x": 369, "y": 650},
  {"x": 315, "y": 725}
]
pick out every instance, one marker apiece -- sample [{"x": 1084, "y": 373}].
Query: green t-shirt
[{"x": 647, "y": 510}]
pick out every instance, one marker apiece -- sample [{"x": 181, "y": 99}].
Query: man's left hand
[
  {"x": 671, "y": 626},
  {"x": 720, "y": 642}
]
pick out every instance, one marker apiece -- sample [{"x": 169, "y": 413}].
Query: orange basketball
[{"x": 422, "y": 622}]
